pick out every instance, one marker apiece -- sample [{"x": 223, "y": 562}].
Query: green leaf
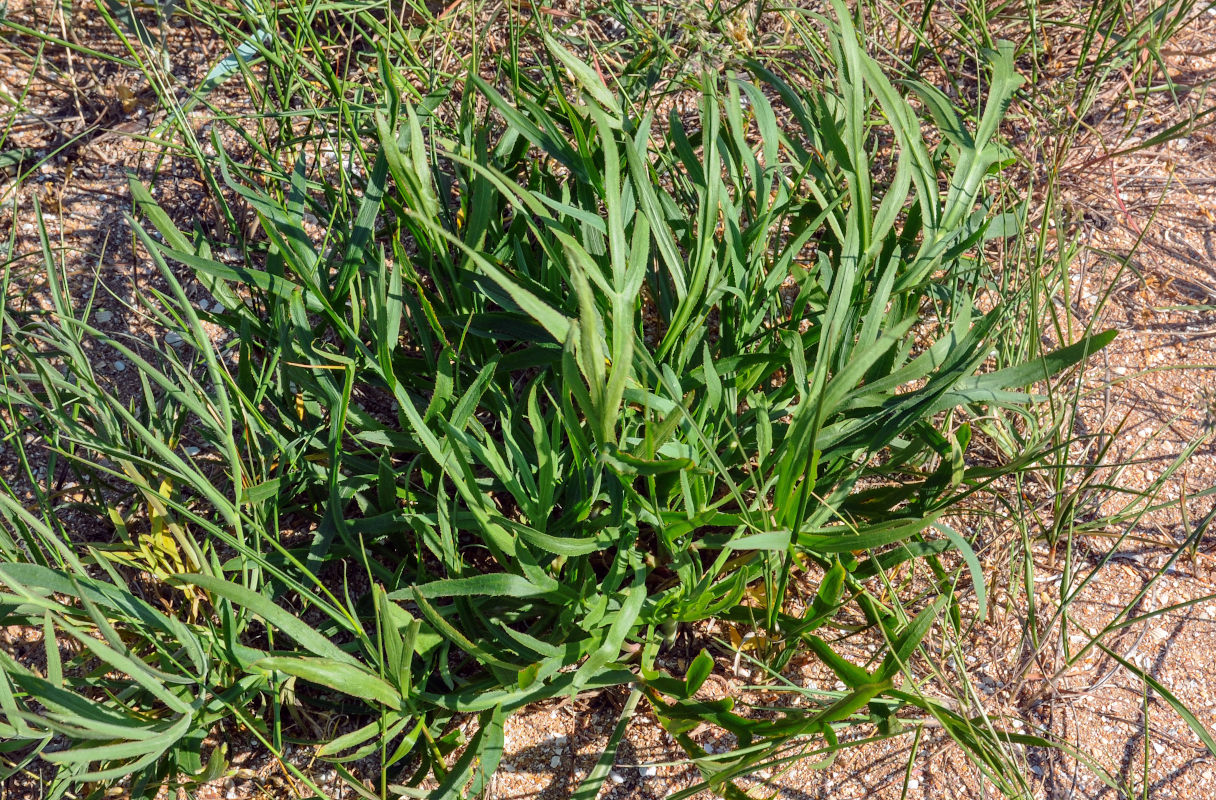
[
  {"x": 587, "y": 77},
  {"x": 590, "y": 786},
  {"x": 852, "y": 675},
  {"x": 864, "y": 538},
  {"x": 1040, "y": 368},
  {"x": 909, "y": 639},
  {"x": 494, "y": 585},
  {"x": 270, "y": 613},
  {"x": 340, "y": 676},
  {"x": 973, "y": 565},
  {"x": 1188, "y": 717},
  {"x": 698, "y": 671},
  {"x": 626, "y": 464}
]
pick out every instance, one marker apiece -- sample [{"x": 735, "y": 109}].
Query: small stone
[
  {"x": 119, "y": 366},
  {"x": 1159, "y": 747},
  {"x": 913, "y": 783},
  {"x": 173, "y": 338},
  {"x": 649, "y": 772},
  {"x": 103, "y": 316},
  {"x": 616, "y": 777},
  {"x": 555, "y": 762}
]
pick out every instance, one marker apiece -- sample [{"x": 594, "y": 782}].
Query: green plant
[{"x": 552, "y": 387}]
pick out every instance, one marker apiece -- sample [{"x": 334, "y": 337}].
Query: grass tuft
[{"x": 561, "y": 363}]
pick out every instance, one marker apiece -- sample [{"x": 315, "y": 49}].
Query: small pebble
[
  {"x": 103, "y": 316},
  {"x": 556, "y": 761},
  {"x": 173, "y": 338},
  {"x": 649, "y": 772},
  {"x": 616, "y": 777},
  {"x": 913, "y": 783},
  {"x": 119, "y": 366}
]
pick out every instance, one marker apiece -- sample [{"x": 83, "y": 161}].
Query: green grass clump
[{"x": 558, "y": 381}]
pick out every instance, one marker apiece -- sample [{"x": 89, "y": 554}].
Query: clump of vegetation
[{"x": 559, "y": 379}]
